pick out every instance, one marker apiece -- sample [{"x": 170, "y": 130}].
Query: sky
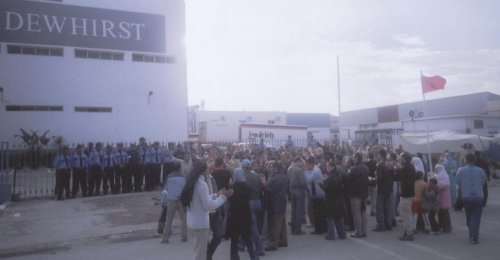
[{"x": 281, "y": 55}]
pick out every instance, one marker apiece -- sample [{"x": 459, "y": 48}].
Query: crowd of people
[{"x": 242, "y": 194}]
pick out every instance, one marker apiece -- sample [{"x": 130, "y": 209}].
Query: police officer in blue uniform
[
  {"x": 108, "y": 168},
  {"x": 62, "y": 164},
  {"x": 121, "y": 162},
  {"x": 143, "y": 159},
  {"x": 80, "y": 163},
  {"x": 156, "y": 156},
  {"x": 132, "y": 168},
  {"x": 95, "y": 177}
]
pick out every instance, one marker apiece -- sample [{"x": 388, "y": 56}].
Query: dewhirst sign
[{"x": 33, "y": 22}]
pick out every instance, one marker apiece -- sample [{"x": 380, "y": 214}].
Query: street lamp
[{"x": 149, "y": 96}]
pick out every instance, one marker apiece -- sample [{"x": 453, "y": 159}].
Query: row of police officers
[{"x": 112, "y": 170}]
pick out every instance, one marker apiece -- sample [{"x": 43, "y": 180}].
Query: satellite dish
[{"x": 411, "y": 113}]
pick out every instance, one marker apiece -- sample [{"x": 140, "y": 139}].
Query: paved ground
[{"x": 123, "y": 227}]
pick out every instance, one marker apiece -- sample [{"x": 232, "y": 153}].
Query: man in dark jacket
[
  {"x": 406, "y": 177},
  {"x": 372, "y": 184},
  {"x": 385, "y": 180},
  {"x": 483, "y": 164},
  {"x": 277, "y": 186},
  {"x": 334, "y": 202},
  {"x": 358, "y": 182}
]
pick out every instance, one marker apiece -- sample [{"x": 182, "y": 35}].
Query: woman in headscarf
[
  {"x": 451, "y": 168},
  {"x": 443, "y": 186},
  {"x": 240, "y": 217}
]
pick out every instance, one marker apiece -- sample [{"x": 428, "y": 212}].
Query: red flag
[{"x": 432, "y": 83}]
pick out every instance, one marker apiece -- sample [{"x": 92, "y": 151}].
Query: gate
[{"x": 26, "y": 174}]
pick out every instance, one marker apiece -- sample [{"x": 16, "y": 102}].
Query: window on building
[
  {"x": 101, "y": 55},
  {"x": 35, "y": 50},
  {"x": 32, "y": 108},
  {"x": 270, "y": 122},
  {"x": 94, "y": 109},
  {"x": 478, "y": 124},
  {"x": 140, "y": 57}
]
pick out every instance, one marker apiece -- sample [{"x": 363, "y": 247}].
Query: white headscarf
[{"x": 441, "y": 175}]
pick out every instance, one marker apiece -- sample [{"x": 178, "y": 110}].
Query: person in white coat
[{"x": 197, "y": 198}]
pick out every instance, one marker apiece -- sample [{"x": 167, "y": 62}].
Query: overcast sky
[{"x": 280, "y": 55}]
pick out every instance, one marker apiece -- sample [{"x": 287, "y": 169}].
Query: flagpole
[
  {"x": 338, "y": 82},
  {"x": 426, "y": 127},
  {"x": 338, "y": 97}
]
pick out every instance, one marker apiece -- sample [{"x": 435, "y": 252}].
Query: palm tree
[{"x": 35, "y": 144}]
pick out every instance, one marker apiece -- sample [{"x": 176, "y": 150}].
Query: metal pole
[
  {"x": 338, "y": 97},
  {"x": 426, "y": 128},
  {"x": 338, "y": 83}
]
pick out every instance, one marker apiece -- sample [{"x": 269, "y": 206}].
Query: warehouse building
[
  {"x": 93, "y": 70},
  {"x": 477, "y": 113}
]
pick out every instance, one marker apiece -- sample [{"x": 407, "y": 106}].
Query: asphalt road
[{"x": 123, "y": 227}]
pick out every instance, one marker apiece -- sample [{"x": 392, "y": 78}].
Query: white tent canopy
[{"x": 440, "y": 141}]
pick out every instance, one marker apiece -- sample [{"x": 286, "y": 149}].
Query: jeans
[
  {"x": 223, "y": 217},
  {"x": 473, "y": 213},
  {"x": 396, "y": 199},
  {"x": 255, "y": 208},
  {"x": 216, "y": 228},
  {"x": 359, "y": 215},
  {"x": 383, "y": 213},
  {"x": 163, "y": 218},
  {"x": 453, "y": 189},
  {"x": 298, "y": 210},
  {"x": 372, "y": 190},
  {"x": 319, "y": 215},
  {"x": 235, "y": 239},
  {"x": 335, "y": 224}
]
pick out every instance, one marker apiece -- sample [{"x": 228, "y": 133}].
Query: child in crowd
[{"x": 430, "y": 203}]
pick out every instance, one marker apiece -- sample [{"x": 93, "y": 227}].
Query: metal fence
[{"x": 28, "y": 174}]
